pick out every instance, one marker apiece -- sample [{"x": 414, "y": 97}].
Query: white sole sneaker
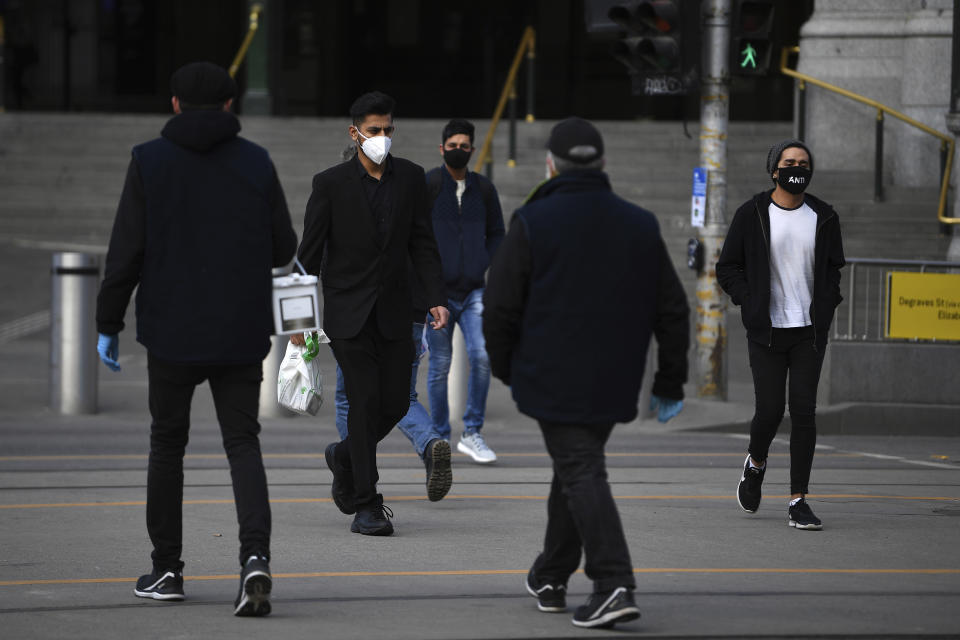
[
  {"x": 462, "y": 448},
  {"x": 805, "y": 527}
]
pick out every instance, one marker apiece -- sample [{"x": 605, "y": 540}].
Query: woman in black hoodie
[{"x": 781, "y": 264}]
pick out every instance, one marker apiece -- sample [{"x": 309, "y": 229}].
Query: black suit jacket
[{"x": 340, "y": 243}]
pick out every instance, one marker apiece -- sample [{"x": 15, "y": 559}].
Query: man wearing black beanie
[
  {"x": 201, "y": 222},
  {"x": 781, "y": 264}
]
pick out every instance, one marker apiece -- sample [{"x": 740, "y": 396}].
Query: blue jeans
[
  {"x": 416, "y": 425},
  {"x": 468, "y": 315}
]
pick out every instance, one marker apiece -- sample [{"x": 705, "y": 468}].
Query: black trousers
[
  {"x": 581, "y": 512},
  {"x": 791, "y": 355},
  {"x": 376, "y": 378},
  {"x": 236, "y": 395}
]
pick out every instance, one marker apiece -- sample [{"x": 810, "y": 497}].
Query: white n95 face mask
[{"x": 375, "y": 148}]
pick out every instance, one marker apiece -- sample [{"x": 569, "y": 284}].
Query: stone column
[
  {"x": 925, "y": 94},
  {"x": 857, "y": 45}
]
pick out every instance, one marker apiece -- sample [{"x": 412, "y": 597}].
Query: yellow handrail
[
  {"x": 946, "y": 142},
  {"x": 255, "y": 11},
  {"x": 527, "y": 43}
]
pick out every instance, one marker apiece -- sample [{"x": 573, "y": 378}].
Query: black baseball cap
[
  {"x": 576, "y": 140},
  {"x": 202, "y": 85}
]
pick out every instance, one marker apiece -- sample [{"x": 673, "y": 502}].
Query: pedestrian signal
[
  {"x": 650, "y": 45},
  {"x": 751, "y": 37}
]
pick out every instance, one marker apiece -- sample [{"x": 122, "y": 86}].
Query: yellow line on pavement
[
  {"x": 140, "y": 503},
  {"x": 319, "y": 456},
  {"x": 495, "y": 572}
]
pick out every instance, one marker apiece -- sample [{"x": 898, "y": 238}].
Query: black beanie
[
  {"x": 202, "y": 85},
  {"x": 773, "y": 157}
]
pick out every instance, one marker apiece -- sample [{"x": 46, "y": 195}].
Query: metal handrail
[
  {"x": 946, "y": 142},
  {"x": 527, "y": 46},
  {"x": 255, "y": 11}
]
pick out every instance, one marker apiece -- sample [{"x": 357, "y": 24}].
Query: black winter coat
[
  {"x": 743, "y": 270},
  {"x": 575, "y": 292},
  {"x": 359, "y": 270},
  {"x": 201, "y": 222}
]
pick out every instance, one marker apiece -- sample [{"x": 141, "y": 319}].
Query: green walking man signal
[{"x": 749, "y": 57}]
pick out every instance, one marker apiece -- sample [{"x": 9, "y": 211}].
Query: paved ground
[{"x": 72, "y": 538}]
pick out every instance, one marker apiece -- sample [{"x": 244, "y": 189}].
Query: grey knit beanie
[{"x": 774, "y": 156}]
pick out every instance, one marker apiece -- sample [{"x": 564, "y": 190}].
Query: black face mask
[
  {"x": 794, "y": 179},
  {"x": 456, "y": 158}
]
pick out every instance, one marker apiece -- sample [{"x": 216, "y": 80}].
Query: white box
[{"x": 296, "y": 305}]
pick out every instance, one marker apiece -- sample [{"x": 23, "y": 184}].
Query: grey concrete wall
[
  {"x": 894, "y": 51},
  {"x": 925, "y": 374}
]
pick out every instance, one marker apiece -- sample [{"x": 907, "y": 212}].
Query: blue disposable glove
[
  {"x": 668, "y": 408},
  {"x": 109, "y": 349}
]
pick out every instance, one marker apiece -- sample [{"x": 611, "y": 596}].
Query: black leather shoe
[
  {"x": 436, "y": 458},
  {"x": 342, "y": 488},
  {"x": 373, "y": 519}
]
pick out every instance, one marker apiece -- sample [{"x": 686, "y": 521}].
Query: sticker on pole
[{"x": 698, "y": 204}]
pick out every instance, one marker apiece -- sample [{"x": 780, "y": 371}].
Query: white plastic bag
[{"x": 300, "y": 381}]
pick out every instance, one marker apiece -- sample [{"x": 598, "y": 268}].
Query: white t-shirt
[
  {"x": 461, "y": 187},
  {"x": 792, "y": 240}
]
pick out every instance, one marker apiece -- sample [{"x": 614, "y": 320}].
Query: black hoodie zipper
[{"x": 766, "y": 243}]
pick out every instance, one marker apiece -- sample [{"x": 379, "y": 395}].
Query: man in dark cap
[
  {"x": 201, "y": 222},
  {"x": 579, "y": 285},
  {"x": 781, "y": 264}
]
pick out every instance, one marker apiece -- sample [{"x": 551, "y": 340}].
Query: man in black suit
[{"x": 366, "y": 219}]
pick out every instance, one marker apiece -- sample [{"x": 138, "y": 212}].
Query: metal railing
[
  {"x": 946, "y": 141},
  {"x": 255, "y": 12},
  {"x": 863, "y": 314},
  {"x": 526, "y": 48}
]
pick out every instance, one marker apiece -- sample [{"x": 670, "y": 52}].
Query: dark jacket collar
[
  {"x": 571, "y": 181},
  {"x": 201, "y": 130},
  {"x": 362, "y": 171}
]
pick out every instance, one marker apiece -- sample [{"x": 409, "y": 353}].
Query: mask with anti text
[{"x": 794, "y": 179}]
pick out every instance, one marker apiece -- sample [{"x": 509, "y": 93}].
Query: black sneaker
[
  {"x": 800, "y": 516},
  {"x": 748, "y": 491},
  {"x": 607, "y": 608},
  {"x": 341, "y": 490},
  {"x": 551, "y": 598},
  {"x": 255, "y": 585},
  {"x": 373, "y": 519},
  {"x": 436, "y": 458},
  {"x": 160, "y": 585}
]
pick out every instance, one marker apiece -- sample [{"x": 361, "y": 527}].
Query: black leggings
[{"x": 791, "y": 351}]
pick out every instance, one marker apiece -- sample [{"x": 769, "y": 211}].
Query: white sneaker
[{"x": 474, "y": 446}]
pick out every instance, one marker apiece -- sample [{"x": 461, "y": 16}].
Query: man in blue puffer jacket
[{"x": 468, "y": 225}]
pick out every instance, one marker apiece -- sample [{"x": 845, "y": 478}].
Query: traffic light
[
  {"x": 651, "y": 46},
  {"x": 751, "y": 38}
]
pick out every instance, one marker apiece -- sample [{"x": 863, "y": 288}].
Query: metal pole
[
  {"x": 711, "y": 322},
  {"x": 512, "y": 156},
  {"x": 802, "y": 110},
  {"x": 878, "y": 168},
  {"x": 73, "y": 333},
  {"x": 531, "y": 56},
  {"x": 3, "y": 80},
  {"x": 953, "y": 123},
  {"x": 944, "y": 228},
  {"x": 458, "y": 377}
]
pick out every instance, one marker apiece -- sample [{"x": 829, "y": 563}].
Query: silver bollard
[
  {"x": 73, "y": 333},
  {"x": 269, "y": 407},
  {"x": 457, "y": 380}
]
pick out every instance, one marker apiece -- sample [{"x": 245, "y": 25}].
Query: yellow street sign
[{"x": 923, "y": 306}]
